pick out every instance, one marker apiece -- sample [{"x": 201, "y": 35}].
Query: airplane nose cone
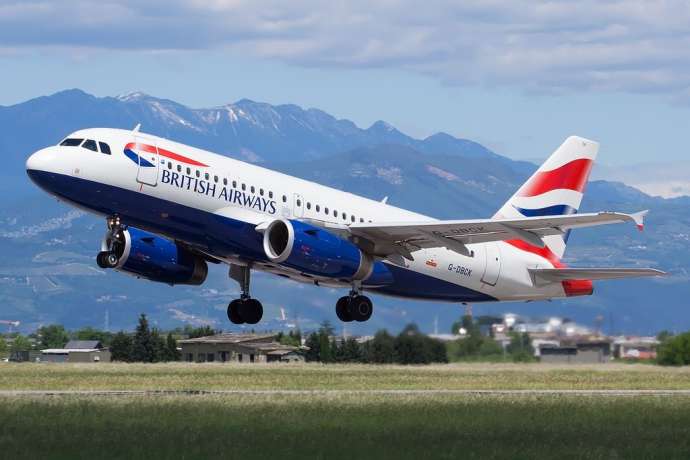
[
  {"x": 38, "y": 161},
  {"x": 38, "y": 166}
]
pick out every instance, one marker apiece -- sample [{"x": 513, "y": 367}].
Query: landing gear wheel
[
  {"x": 361, "y": 308},
  {"x": 251, "y": 311},
  {"x": 106, "y": 259},
  {"x": 342, "y": 309},
  {"x": 233, "y": 312}
]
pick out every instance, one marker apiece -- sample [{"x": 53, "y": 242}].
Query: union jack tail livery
[{"x": 556, "y": 188}]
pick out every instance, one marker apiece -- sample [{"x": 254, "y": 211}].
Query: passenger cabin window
[
  {"x": 225, "y": 181},
  {"x": 270, "y": 194},
  {"x": 105, "y": 148},
  {"x": 179, "y": 168},
  {"x": 71, "y": 142},
  {"x": 90, "y": 144},
  {"x": 318, "y": 208}
]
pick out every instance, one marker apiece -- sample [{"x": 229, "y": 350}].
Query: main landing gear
[
  {"x": 354, "y": 307},
  {"x": 245, "y": 309},
  {"x": 108, "y": 257}
]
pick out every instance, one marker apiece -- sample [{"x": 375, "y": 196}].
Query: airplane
[{"x": 171, "y": 209}]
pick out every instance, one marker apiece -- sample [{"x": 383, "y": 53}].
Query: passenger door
[
  {"x": 492, "y": 269},
  {"x": 147, "y": 151}
]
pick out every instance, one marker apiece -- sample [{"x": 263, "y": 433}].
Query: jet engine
[
  {"x": 316, "y": 251},
  {"x": 150, "y": 256}
]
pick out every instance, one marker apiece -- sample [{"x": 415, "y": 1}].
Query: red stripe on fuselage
[
  {"x": 572, "y": 288},
  {"x": 163, "y": 152},
  {"x": 570, "y": 176}
]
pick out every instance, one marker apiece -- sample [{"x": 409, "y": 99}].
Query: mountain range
[{"x": 48, "y": 272}]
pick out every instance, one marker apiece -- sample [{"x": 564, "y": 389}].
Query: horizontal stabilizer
[{"x": 562, "y": 274}]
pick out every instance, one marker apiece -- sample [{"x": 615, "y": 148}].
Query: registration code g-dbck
[{"x": 460, "y": 270}]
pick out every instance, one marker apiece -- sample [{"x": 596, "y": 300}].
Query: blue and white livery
[{"x": 171, "y": 209}]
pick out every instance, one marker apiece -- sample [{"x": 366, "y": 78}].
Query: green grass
[
  {"x": 182, "y": 376},
  {"x": 345, "y": 426}
]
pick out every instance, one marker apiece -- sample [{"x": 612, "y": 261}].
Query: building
[
  {"x": 577, "y": 351},
  {"x": 77, "y": 351},
  {"x": 242, "y": 348},
  {"x": 635, "y": 348}
]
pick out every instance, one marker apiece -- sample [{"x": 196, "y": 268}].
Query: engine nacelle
[
  {"x": 150, "y": 256},
  {"x": 318, "y": 252}
]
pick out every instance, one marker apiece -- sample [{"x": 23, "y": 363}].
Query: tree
[
  {"x": 90, "y": 333},
  {"x": 380, "y": 349},
  {"x": 314, "y": 348},
  {"x": 349, "y": 351},
  {"x": 20, "y": 343},
  {"x": 158, "y": 351},
  {"x": 292, "y": 338},
  {"x": 3, "y": 346},
  {"x": 201, "y": 331},
  {"x": 520, "y": 347},
  {"x": 675, "y": 350},
  {"x": 143, "y": 347},
  {"x": 52, "y": 336},
  {"x": 170, "y": 352},
  {"x": 664, "y": 335},
  {"x": 413, "y": 347},
  {"x": 121, "y": 347}
]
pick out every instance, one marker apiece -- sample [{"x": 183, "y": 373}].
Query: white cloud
[{"x": 547, "y": 46}]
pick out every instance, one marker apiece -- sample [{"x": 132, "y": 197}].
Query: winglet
[
  {"x": 638, "y": 218},
  {"x": 136, "y": 128},
  {"x": 385, "y": 199}
]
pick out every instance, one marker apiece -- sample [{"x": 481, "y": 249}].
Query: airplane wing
[
  {"x": 562, "y": 274},
  {"x": 401, "y": 238}
]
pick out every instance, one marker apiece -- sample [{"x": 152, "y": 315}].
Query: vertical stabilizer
[{"x": 556, "y": 188}]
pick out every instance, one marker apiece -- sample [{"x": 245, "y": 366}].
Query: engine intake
[
  {"x": 150, "y": 256},
  {"x": 319, "y": 252}
]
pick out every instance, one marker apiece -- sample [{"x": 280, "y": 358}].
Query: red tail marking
[
  {"x": 570, "y": 176},
  {"x": 572, "y": 288}
]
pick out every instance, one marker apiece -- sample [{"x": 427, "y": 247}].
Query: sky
[{"x": 518, "y": 76}]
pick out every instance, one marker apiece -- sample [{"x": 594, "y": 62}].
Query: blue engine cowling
[
  {"x": 150, "y": 256},
  {"x": 318, "y": 252}
]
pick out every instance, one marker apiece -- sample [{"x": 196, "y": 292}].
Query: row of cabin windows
[
  {"x": 252, "y": 189},
  {"x": 88, "y": 144}
]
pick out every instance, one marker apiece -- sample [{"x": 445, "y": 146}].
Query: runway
[{"x": 535, "y": 392}]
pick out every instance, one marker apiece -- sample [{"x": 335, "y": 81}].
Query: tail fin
[{"x": 556, "y": 188}]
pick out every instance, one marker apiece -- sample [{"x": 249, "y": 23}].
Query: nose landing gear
[{"x": 110, "y": 256}]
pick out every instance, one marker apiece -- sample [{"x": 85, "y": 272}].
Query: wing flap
[{"x": 454, "y": 234}]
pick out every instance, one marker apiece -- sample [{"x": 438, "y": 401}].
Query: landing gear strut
[
  {"x": 245, "y": 309},
  {"x": 108, "y": 258},
  {"x": 354, "y": 307}
]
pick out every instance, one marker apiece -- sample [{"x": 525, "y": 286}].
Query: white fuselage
[{"x": 201, "y": 181}]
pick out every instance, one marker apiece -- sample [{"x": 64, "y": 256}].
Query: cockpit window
[
  {"x": 71, "y": 142},
  {"x": 105, "y": 148},
  {"x": 90, "y": 144}
]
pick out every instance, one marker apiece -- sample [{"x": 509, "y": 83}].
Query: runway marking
[{"x": 606, "y": 393}]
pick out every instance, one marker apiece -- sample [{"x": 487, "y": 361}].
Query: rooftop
[
  {"x": 83, "y": 344},
  {"x": 230, "y": 337}
]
